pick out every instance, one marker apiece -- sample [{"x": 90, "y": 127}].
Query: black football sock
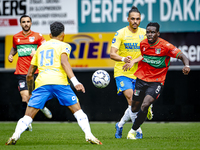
[{"x": 141, "y": 117}]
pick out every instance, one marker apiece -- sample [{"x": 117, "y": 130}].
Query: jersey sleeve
[
  {"x": 172, "y": 50},
  {"x": 142, "y": 47},
  {"x": 116, "y": 42},
  {"x": 41, "y": 39},
  {"x": 66, "y": 49},
  {"x": 14, "y": 45}
]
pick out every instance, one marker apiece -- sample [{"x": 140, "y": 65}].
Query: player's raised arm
[{"x": 67, "y": 67}]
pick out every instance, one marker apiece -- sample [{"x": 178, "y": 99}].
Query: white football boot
[
  {"x": 47, "y": 112},
  {"x": 13, "y": 140}
]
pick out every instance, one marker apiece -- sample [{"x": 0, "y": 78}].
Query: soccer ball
[{"x": 100, "y": 78}]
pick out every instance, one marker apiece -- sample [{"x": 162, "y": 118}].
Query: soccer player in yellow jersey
[
  {"x": 51, "y": 59},
  {"x": 125, "y": 50}
]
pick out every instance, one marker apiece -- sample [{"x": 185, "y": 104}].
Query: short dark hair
[
  {"x": 56, "y": 28},
  {"x": 154, "y": 24},
  {"x": 23, "y": 16},
  {"x": 133, "y": 9}
]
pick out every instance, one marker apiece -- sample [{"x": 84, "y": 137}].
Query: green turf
[{"x": 52, "y": 136}]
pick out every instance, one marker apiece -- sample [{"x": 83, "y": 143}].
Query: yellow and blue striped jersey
[
  {"x": 48, "y": 61},
  {"x": 128, "y": 44}
]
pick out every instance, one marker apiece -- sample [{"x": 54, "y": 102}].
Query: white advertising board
[{"x": 42, "y": 12}]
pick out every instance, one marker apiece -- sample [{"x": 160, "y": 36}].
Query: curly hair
[
  {"x": 56, "y": 28},
  {"x": 154, "y": 24}
]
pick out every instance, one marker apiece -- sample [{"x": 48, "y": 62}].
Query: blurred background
[{"x": 89, "y": 27}]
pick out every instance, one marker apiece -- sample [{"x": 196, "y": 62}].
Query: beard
[
  {"x": 135, "y": 26},
  {"x": 26, "y": 29}
]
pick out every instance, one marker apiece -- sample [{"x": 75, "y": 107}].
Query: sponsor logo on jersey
[
  {"x": 132, "y": 47},
  {"x": 25, "y": 50},
  {"x": 114, "y": 40},
  {"x": 154, "y": 61},
  {"x": 32, "y": 39},
  {"x": 151, "y": 61},
  {"x": 157, "y": 50}
]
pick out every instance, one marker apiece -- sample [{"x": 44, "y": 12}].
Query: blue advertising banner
[{"x": 111, "y": 15}]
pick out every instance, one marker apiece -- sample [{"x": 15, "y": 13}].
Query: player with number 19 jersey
[
  {"x": 47, "y": 59},
  {"x": 156, "y": 59}
]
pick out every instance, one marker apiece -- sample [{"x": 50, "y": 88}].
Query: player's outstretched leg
[
  {"x": 13, "y": 140},
  {"x": 83, "y": 122},
  {"x": 22, "y": 125},
  {"x": 93, "y": 140},
  {"x": 46, "y": 112},
  {"x": 119, "y": 125},
  {"x": 118, "y": 133}
]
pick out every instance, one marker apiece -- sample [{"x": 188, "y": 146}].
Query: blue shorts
[
  {"x": 63, "y": 93},
  {"x": 123, "y": 83}
]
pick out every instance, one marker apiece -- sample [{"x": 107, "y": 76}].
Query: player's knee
[
  {"x": 145, "y": 106},
  {"x": 135, "y": 109},
  {"x": 25, "y": 99}
]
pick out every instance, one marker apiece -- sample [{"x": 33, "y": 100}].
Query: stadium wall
[{"x": 179, "y": 100}]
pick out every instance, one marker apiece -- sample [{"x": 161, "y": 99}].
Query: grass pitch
[{"x": 61, "y": 136}]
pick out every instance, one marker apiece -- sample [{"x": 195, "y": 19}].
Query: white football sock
[
  {"x": 83, "y": 121},
  {"x": 125, "y": 118},
  {"x": 132, "y": 115},
  {"x": 23, "y": 124}
]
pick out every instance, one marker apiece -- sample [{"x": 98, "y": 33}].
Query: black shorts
[
  {"x": 22, "y": 85},
  {"x": 143, "y": 88}
]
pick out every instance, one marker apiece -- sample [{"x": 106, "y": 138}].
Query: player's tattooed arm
[
  {"x": 13, "y": 51},
  {"x": 30, "y": 78}
]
